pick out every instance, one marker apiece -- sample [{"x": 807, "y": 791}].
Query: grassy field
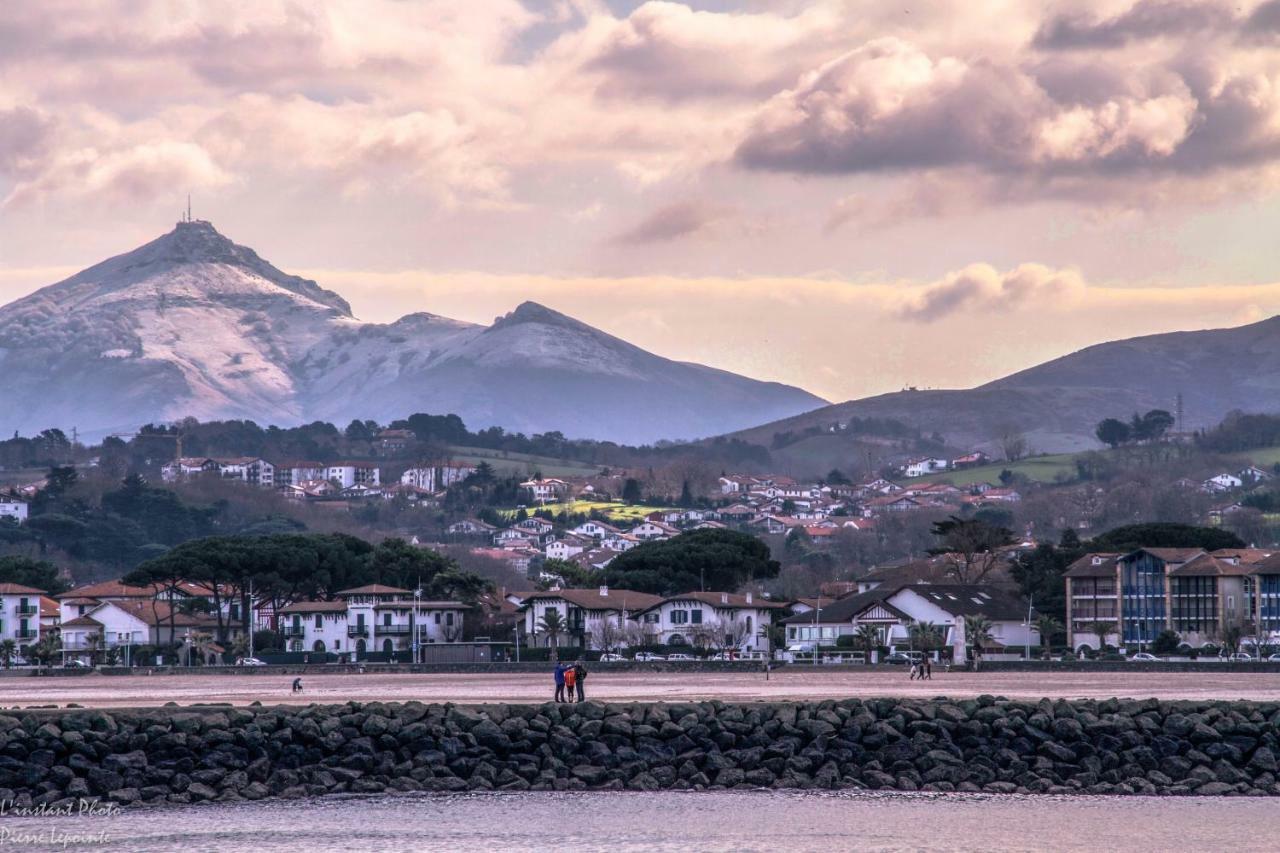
[
  {"x": 1042, "y": 469},
  {"x": 618, "y": 511},
  {"x": 523, "y": 463}
]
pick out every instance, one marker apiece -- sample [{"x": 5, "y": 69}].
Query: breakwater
[{"x": 55, "y": 759}]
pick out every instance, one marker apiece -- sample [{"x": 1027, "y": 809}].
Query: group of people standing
[
  {"x": 922, "y": 669},
  {"x": 569, "y": 680}
]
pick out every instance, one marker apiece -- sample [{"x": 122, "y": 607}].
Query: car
[
  {"x": 899, "y": 659},
  {"x": 679, "y": 656},
  {"x": 1143, "y": 656},
  {"x": 74, "y": 663},
  {"x": 251, "y": 662},
  {"x": 610, "y": 656},
  {"x": 649, "y": 656},
  {"x": 1240, "y": 657},
  {"x": 1274, "y": 658}
]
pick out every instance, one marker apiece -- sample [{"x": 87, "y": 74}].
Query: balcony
[
  {"x": 358, "y": 631},
  {"x": 27, "y": 609},
  {"x": 288, "y": 631},
  {"x": 25, "y": 634},
  {"x": 392, "y": 630}
]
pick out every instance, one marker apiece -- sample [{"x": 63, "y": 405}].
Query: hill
[
  {"x": 1057, "y": 405},
  {"x": 192, "y": 324}
]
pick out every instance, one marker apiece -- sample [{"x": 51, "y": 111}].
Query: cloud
[
  {"x": 25, "y": 137},
  {"x": 672, "y": 222},
  {"x": 982, "y": 287},
  {"x": 1146, "y": 19}
]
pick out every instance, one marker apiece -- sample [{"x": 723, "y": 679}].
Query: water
[{"x": 705, "y": 821}]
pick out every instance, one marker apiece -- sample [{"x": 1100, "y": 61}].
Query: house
[
  {"x": 566, "y": 547},
  {"x": 1221, "y": 483},
  {"x": 367, "y": 619},
  {"x": 436, "y": 477},
  {"x": 311, "y": 490},
  {"x": 118, "y": 627},
  {"x": 545, "y": 490},
  {"x": 590, "y": 618},
  {"x": 392, "y": 441},
  {"x": 595, "y": 558},
  {"x": 970, "y": 460},
  {"x": 923, "y": 465},
  {"x": 619, "y": 542},
  {"x": 20, "y": 617},
  {"x": 297, "y": 473},
  {"x": 539, "y": 527},
  {"x": 50, "y": 615},
  {"x": 1253, "y": 474},
  {"x": 515, "y": 538},
  {"x": 651, "y": 530},
  {"x": 595, "y": 530},
  {"x": 187, "y": 466},
  {"x": 892, "y": 610},
  {"x": 250, "y": 469},
  {"x": 470, "y": 527},
  {"x": 348, "y": 474},
  {"x": 711, "y": 620},
  {"x": 890, "y": 503},
  {"x": 13, "y": 507}
]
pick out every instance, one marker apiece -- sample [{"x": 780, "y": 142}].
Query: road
[{"x": 790, "y": 684}]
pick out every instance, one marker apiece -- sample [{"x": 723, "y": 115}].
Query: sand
[{"x": 794, "y": 683}]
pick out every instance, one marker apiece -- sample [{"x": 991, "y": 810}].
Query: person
[
  {"x": 559, "y": 675},
  {"x": 928, "y": 669},
  {"x": 579, "y": 676},
  {"x": 914, "y": 669},
  {"x": 297, "y": 684},
  {"x": 570, "y": 679}
]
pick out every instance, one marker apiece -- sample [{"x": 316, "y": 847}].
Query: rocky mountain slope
[
  {"x": 193, "y": 324},
  {"x": 1057, "y": 405}
]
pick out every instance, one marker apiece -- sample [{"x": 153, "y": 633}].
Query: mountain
[
  {"x": 192, "y": 324},
  {"x": 1057, "y": 405}
]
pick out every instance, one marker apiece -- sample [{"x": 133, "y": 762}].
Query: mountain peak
[{"x": 532, "y": 312}]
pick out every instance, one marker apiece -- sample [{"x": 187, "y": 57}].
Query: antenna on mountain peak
[{"x": 188, "y": 207}]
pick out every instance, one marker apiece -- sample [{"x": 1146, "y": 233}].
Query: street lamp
[{"x": 417, "y": 603}]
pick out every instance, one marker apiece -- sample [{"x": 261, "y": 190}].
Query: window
[
  {"x": 438, "y": 616},
  {"x": 679, "y": 617},
  {"x": 386, "y": 618},
  {"x": 695, "y": 616},
  {"x": 319, "y": 621},
  {"x": 651, "y": 618},
  {"x": 448, "y": 618}
]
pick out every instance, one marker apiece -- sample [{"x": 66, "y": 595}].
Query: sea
[{"x": 670, "y": 821}]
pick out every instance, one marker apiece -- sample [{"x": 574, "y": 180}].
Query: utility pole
[{"x": 251, "y": 614}]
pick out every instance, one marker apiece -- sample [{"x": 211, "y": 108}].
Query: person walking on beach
[
  {"x": 914, "y": 670},
  {"x": 570, "y": 679},
  {"x": 297, "y": 684},
  {"x": 559, "y": 682},
  {"x": 579, "y": 676},
  {"x": 928, "y": 669}
]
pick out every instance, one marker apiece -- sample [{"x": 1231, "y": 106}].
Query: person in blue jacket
[{"x": 560, "y": 668}]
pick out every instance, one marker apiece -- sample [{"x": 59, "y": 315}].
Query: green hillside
[{"x": 522, "y": 463}]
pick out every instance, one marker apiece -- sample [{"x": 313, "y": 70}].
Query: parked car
[
  {"x": 679, "y": 656},
  {"x": 251, "y": 662},
  {"x": 899, "y": 659},
  {"x": 610, "y": 656},
  {"x": 1274, "y": 658},
  {"x": 75, "y": 663},
  {"x": 1240, "y": 657},
  {"x": 648, "y": 656},
  {"x": 1143, "y": 656}
]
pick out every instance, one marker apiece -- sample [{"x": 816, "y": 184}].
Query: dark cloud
[
  {"x": 672, "y": 222},
  {"x": 983, "y": 287},
  {"x": 25, "y": 137},
  {"x": 1145, "y": 20}
]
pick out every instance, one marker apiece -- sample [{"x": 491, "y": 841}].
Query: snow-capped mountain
[{"x": 192, "y": 324}]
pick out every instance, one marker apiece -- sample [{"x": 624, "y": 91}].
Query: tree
[
  {"x": 970, "y": 546},
  {"x": 8, "y": 651},
  {"x": 1165, "y": 535},
  {"x": 1231, "y": 636},
  {"x": 1048, "y": 628},
  {"x": 868, "y": 636},
  {"x": 697, "y": 559},
  {"x": 40, "y": 574},
  {"x": 977, "y": 632},
  {"x": 924, "y": 635},
  {"x": 553, "y": 625},
  {"x": 836, "y": 477},
  {"x": 1112, "y": 432},
  {"x": 1165, "y": 643},
  {"x": 1102, "y": 630},
  {"x": 1014, "y": 445},
  {"x": 1152, "y": 426},
  {"x": 610, "y": 634},
  {"x": 631, "y": 493},
  {"x": 46, "y": 650}
]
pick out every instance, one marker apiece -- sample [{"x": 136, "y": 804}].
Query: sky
[{"x": 851, "y": 197}]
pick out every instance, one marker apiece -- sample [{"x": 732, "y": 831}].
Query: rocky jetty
[{"x": 223, "y": 754}]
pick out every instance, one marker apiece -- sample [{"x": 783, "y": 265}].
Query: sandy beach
[{"x": 795, "y": 683}]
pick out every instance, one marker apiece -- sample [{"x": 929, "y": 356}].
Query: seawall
[{"x": 196, "y": 754}]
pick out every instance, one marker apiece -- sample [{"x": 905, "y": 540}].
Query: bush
[
  {"x": 845, "y": 641},
  {"x": 1165, "y": 643}
]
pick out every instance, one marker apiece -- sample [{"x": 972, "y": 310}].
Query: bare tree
[
  {"x": 609, "y": 634},
  {"x": 1013, "y": 443}
]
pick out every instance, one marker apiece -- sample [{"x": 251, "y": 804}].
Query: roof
[
  {"x": 591, "y": 599},
  {"x": 1208, "y": 566},
  {"x": 159, "y": 613},
  {"x": 314, "y": 607},
  {"x": 723, "y": 600},
  {"x": 972, "y": 600},
  {"x": 82, "y": 622},
  {"x": 108, "y": 589},
  {"x": 19, "y": 589},
  {"x": 1246, "y": 556},
  {"x": 375, "y": 589},
  {"x": 1169, "y": 555},
  {"x": 844, "y": 609},
  {"x": 49, "y": 607},
  {"x": 1085, "y": 567}
]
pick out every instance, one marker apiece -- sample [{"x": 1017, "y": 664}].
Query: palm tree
[
  {"x": 977, "y": 630},
  {"x": 868, "y": 636},
  {"x": 1047, "y": 627},
  {"x": 552, "y": 624},
  {"x": 8, "y": 651},
  {"x": 91, "y": 642},
  {"x": 925, "y": 636},
  {"x": 1102, "y": 629}
]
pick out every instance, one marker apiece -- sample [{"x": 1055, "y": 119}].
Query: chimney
[
  {"x": 604, "y": 592},
  {"x": 750, "y": 598},
  {"x": 724, "y": 598}
]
